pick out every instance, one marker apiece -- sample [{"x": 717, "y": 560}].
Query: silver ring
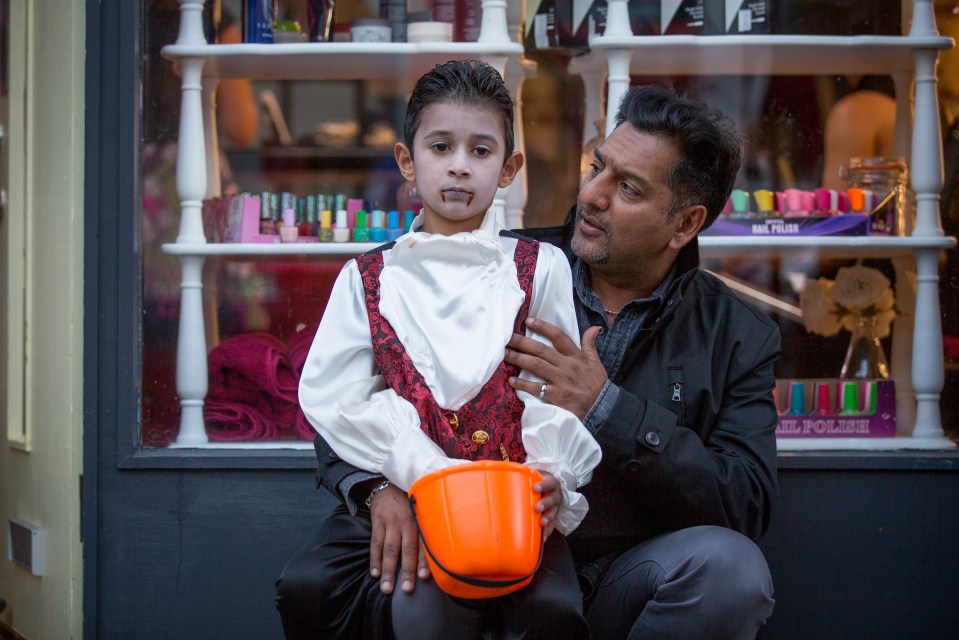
[{"x": 542, "y": 391}]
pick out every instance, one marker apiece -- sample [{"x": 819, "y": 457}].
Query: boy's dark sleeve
[{"x": 343, "y": 480}]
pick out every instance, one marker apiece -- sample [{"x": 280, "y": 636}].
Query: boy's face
[{"x": 458, "y": 165}]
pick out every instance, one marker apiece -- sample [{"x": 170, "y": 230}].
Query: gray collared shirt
[{"x": 613, "y": 341}]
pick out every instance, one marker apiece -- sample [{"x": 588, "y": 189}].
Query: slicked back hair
[{"x": 468, "y": 82}]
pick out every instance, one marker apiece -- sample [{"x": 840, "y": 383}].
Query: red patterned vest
[{"x": 488, "y": 426}]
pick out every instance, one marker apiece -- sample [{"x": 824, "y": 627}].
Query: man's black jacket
[{"x": 691, "y": 439}]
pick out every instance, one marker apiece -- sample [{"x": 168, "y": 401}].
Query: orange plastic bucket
[{"x": 480, "y": 527}]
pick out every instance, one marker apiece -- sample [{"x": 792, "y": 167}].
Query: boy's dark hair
[
  {"x": 468, "y": 82},
  {"x": 710, "y": 147}
]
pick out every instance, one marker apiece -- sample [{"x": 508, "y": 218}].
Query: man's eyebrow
[{"x": 629, "y": 175}]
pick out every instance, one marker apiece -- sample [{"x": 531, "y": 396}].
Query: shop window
[{"x": 309, "y": 138}]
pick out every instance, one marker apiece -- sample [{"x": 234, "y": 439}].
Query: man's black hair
[{"x": 710, "y": 147}]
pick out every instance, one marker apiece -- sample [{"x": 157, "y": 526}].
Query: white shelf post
[
  {"x": 191, "y": 181},
  {"x": 926, "y": 176},
  {"x": 493, "y": 29},
  {"x": 515, "y": 196}
]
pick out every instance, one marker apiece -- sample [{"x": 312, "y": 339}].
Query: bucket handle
[{"x": 471, "y": 581}]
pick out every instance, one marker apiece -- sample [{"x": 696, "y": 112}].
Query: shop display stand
[
  {"x": 917, "y": 358},
  {"x": 201, "y": 66}
]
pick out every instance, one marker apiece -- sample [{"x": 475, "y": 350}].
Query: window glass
[{"x": 329, "y": 138}]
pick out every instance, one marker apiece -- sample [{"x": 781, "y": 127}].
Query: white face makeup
[{"x": 457, "y": 164}]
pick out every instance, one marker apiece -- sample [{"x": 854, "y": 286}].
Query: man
[{"x": 674, "y": 380}]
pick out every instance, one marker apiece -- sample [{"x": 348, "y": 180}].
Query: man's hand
[
  {"x": 395, "y": 541},
  {"x": 549, "y": 504},
  {"x": 574, "y": 377}
]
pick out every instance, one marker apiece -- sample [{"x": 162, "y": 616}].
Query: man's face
[{"x": 623, "y": 203}]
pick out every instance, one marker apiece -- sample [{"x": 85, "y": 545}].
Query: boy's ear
[
  {"x": 510, "y": 168},
  {"x": 404, "y": 160}
]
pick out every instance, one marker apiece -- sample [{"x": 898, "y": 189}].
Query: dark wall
[
  {"x": 855, "y": 553},
  {"x": 867, "y": 553},
  {"x": 199, "y": 552}
]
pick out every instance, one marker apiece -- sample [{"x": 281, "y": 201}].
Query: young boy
[{"x": 406, "y": 373}]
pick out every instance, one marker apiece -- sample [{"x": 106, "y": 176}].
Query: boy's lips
[{"x": 457, "y": 194}]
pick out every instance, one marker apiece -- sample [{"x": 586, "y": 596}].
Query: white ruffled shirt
[{"x": 452, "y": 301}]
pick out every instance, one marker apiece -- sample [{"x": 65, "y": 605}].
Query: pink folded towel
[
  {"x": 253, "y": 381},
  {"x": 235, "y": 422}
]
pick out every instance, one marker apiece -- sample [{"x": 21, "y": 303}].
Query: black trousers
[{"x": 326, "y": 592}]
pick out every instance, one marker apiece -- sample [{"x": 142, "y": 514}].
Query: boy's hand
[
  {"x": 549, "y": 504},
  {"x": 395, "y": 541}
]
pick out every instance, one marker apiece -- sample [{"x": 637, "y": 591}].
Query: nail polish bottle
[
  {"x": 870, "y": 393},
  {"x": 797, "y": 399},
  {"x": 740, "y": 200},
  {"x": 288, "y": 230},
  {"x": 377, "y": 232},
  {"x": 849, "y": 392},
  {"x": 266, "y": 218},
  {"x": 393, "y": 230},
  {"x": 764, "y": 201},
  {"x": 823, "y": 404},
  {"x": 326, "y": 228},
  {"x": 309, "y": 226},
  {"x": 341, "y": 232},
  {"x": 857, "y": 200},
  {"x": 361, "y": 232}
]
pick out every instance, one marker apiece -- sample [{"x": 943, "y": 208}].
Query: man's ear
[
  {"x": 404, "y": 160},
  {"x": 686, "y": 224},
  {"x": 510, "y": 168}
]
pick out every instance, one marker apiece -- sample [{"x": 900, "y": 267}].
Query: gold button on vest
[{"x": 480, "y": 437}]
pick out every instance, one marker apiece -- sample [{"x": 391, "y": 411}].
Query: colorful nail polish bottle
[
  {"x": 288, "y": 230},
  {"x": 377, "y": 232},
  {"x": 341, "y": 232},
  {"x": 326, "y": 228},
  {"x": 311, "y": 219},
  {"x": 870, "y": 392},
  {"x": 797, "y": 399},
  {"x": 740, "y": 201},
  {"x": 765, "y": 201},
  {"x": 849, "y": 393},
  {"x": 857, "y": 200},
  {"x": 823, "y": 405},
  {"x": 361, "y": 232},
  {"x": 393, "y": 230}
]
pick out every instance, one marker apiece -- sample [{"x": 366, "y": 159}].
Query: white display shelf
[
  {"x": 278, "y": 249},
  {"x": 333, "y": 60},
  {"x": 826, "y": 246},
  {"x": 864, "y": 444},
  {"x": 911, "y": 60},
  {"x": 201, "y": 65},
  {"x": 782, "y": 444},
  {"x": 760, "y": 54},
  {"x": 270, "y": 445},
  {"x": 710, "y": 246}
]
